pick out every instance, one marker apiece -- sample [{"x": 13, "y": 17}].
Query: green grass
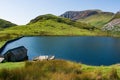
[
  {"x": 103, "y": 69},
  {"x": 11, "y": 65},
  {"x": 57, "y": 70},
  {"x": 46, "y": 28},
  {"x": 98, "y": 20}
]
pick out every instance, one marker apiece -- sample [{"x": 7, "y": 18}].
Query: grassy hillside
[
  {"x": 59, "y": 70},
  {"x": 5, "y": 24},
  {"x": 98, "y": 20},
  {"x": 49, "y": 25},
  {"x": 66, "y": 21}
]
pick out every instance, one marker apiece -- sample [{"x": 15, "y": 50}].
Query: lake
[{"x": 86, "y": 50}]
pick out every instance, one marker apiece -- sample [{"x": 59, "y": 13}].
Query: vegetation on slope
[
  {"x": 47, "y": 27},
  {"x": 94, "y": 17},
  {"x": 61, "y": 20},
  {"x": 5, "y": 24},
  {"x": 59, "y": 70},
  {"x": 98, "y": 20}
]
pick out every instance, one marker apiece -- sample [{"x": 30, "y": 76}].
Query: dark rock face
[{"x": 75, "y": 15}]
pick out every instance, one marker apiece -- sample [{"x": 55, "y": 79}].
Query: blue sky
[{"x": 22, "y": 11}]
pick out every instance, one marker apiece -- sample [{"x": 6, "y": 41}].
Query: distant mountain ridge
[
  {"x": 76, "y": 15},
  {"x": 95, "y": 17}
]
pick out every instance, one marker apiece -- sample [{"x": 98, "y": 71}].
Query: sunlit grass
[
  {"x": 98, "y": 20},
  {"x": 11, "y": 65},
  {"x": 57, "y": 70}
]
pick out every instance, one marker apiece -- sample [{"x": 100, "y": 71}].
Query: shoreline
[
  {"x": 17, "y": 38},
  {"x": 8, "y": 42}
]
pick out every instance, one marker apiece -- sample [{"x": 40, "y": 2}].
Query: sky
[{"x": 22, "y": 11}]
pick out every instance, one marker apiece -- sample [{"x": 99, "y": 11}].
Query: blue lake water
[{"x": 86, "y": 50}]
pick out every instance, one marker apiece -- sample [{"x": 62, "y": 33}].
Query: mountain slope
[
  {"x": 94, "y": 17},
  {"x": 61, "y": 20},
  {"x": 97, "y": 20},
  {"x": 113, "y": 24},
  {"x": 5, "y": 24},
  {"x": 75, "y": 15},
  {"x": 50, "y": 25}
]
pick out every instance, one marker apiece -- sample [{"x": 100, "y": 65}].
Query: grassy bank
[{"x": 58, "y": 70}]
